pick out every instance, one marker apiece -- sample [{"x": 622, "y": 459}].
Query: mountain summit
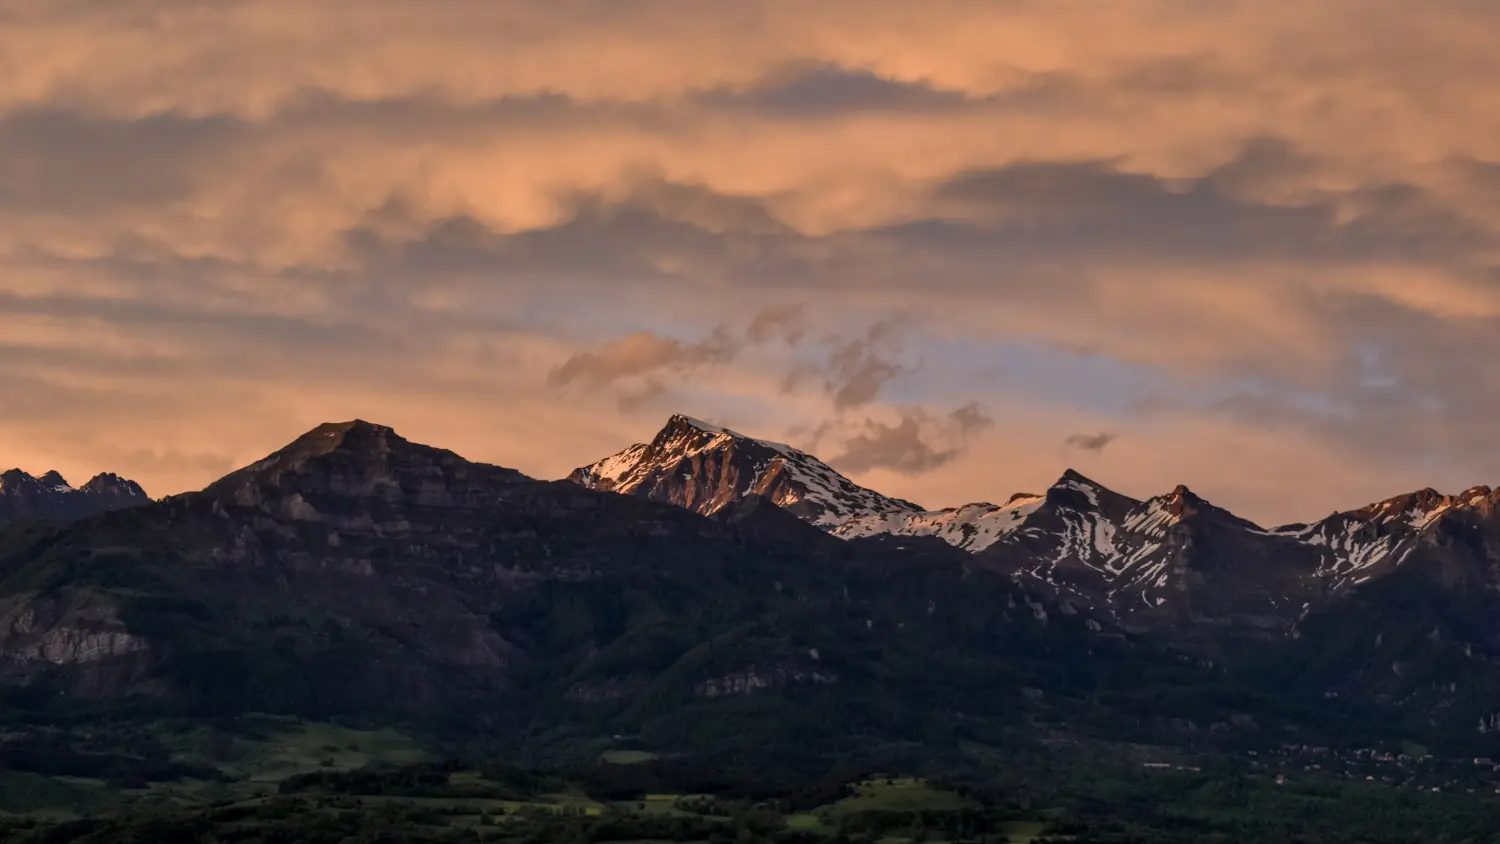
[
  {"x": 363, "y": 461},
  {"x": 706, "y": 468},
  {"x": 51, "y": 497}
]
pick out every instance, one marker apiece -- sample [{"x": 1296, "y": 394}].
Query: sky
[{"x": 952, "y": 247}]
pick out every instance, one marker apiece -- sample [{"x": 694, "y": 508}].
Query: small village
[{"x": 1415, "y": 770}]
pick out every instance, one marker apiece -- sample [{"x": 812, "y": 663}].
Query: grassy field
[
  {"x": 896, "y": 795},
  {"x": 464, "y": 799},
  {"x": 293, "y": 748},
  {"x": 253, "y": 758},
  {"x": 626, "y": 757},
  {"x": 807, "y": 822},
  {"x": 251, "y": 763},
  {"x": 1024, "y": 832},
  {"x": 50, "y": 797},
  {"x": 654, "y": 804}
]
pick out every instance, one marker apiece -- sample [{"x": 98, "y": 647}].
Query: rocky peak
[
  {"x": 358, "y": 440},
  {"x": 680, "y": 425},
  {"x": 706, "y": 467},
  {"x": 51, "y": 497},
  {"x": 1181, "y": 503},
  {"x": 1167, "y": 558},
  {"x": 110, "y": 484},
  {"x": 1074, "y": 491},
  {"x": 358, "y": 460},
  {"x": 1411, "y": 507},
  {"x": 1183, "y": 506},
  {"x": 1357, "y": 544},
  {"x": 12, "y": 479}
]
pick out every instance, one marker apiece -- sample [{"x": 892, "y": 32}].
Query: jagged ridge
[
  {"x": 51, "y": 497},
  {"x": 1174, "y": 554},
  {"x": 705, "y": 468}
]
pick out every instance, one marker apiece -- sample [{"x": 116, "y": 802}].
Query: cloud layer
[{"x": 530, "y": 230}]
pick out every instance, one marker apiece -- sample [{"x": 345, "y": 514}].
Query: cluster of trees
[
  {"x": 1083, "y": 798},
  {"x": 58, "y": 755}
]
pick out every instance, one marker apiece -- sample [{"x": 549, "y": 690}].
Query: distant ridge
[
  {"x": 52, "y": 498},
  {"x": 1170, "y": 558}
]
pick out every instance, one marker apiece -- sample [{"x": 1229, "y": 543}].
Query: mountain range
[
  {"x": 708, "y": 588},
  {"x": 1395, "y": 604},
  {"x": 356, "y": 574},
  {"x": 23, "y": 496},
  {"x": 1170, "y": 558}
]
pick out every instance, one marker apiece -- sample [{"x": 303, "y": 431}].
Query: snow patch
[
  {"x": 972, "y": 527},
  {"x": 1153, "y": 519}
]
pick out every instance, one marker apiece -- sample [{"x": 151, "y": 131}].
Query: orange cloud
[{"x": 221, "y": 223}]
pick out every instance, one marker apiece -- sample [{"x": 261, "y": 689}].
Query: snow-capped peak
[
  {"x": 1113, "y": 551},
  {"x": 1077, "y": 537},
  {"x": 1074, "y": 482},
  {"x": 1355, "y": 542},
  {"x": 681, "y": 427},
  {"x": 705, "y": 427},
  {"x": 54, "y": 481},
  {"x": 24, "y": 496},
  {"x": 706, "y": 467}
]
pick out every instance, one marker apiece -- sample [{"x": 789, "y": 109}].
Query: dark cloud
[
  {"x": 971, "y": 419},
  {"x": 645, "y": 353},
  {"x": 858, "y": 369},
  {"x": 1061, "y": 230},
  {"x": 829, "y": 91},
  {"x": 1262, "y": 162},
  {"x": 913, "y": 446},
  {"x": 642, "y": 353},
  {"x": 1088, "y": 211},
  {"x": 60, "y": 160},
  {"x": 788, "y": 322},
  {"x": 1092, "y": 210},
  {"x": 630, "y": 240},
  {"x": 860, "y": 377},
  {"x": 852, "y": 372},
  {"x": 1196, "y": 73},
  {"x": 702, "y": 207},
  {"x": 1089, "y": 442},
  {"x": 900, "y": 448}
]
